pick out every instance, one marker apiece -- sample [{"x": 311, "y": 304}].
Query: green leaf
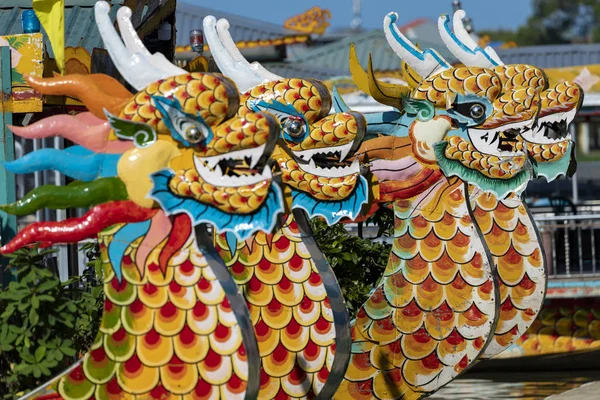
[
  {"x": 26, "y": 356},
  {"x": 68, "y": 351},
  {"x": 45, "y": 369},
  {"x": 35, "y": 302},
  {"x": 46, "y": 297},
  {"x": 34, "y": 317},
  {"x": 14, "y": 294},
  {"x": 10, "y": 310},
  {"x": 48, "y": 285},
  {"x": 39, "y": 353}
]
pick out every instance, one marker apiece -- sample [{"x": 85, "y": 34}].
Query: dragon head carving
[
  {"x": 457, "y": 120},
  {"x": 314, "y": 147},
  {"x": 178, "y": 147},
  {"x": 548, "y": 143}
]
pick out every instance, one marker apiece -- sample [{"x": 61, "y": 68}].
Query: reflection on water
[{"x": 517, "y": 385}]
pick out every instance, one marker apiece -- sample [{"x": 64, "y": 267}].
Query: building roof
[
  {"x": 552, "y": 56},
  {"x": 242, "y": 29},
  {"x": 335, "y": 55},
  {"x": 299, "y": 70}
]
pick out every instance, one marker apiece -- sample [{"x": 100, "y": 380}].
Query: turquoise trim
[
  {"x": 121, "y": 241},
  {"x": 163, "y": 103},
  {"x": 553, "y": 170},
  {"x": 282, "y": 111},
  {"x": 242, "y": 225},
  {"x": 333, "y": 211},
  {"x": 499, "y": 187},
  {"x": 455, "y": 39},
  {"x": 411, "y": 49}
]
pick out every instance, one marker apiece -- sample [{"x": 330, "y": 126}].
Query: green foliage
[
  {"x": 89, "y": 300},
  {"x": 44, "y": 323},
  {"x": 358, "y": 263},
  {"x": 554, "y": 22}
]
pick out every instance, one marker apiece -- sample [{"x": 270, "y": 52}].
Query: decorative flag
[{"x": 51, "y": 14}]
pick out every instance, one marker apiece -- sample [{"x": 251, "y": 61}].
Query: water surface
[{"x": 514, "y": 385}]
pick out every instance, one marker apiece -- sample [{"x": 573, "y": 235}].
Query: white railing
[
  {"x": 571, "y": 243},
  {"x": 25, "y": 183}
]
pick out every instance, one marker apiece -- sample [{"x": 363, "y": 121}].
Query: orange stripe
[{"x": 399, "y": 190}]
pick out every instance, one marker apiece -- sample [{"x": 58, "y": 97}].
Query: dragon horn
[
  {"x": 132, "y": 67},
  {"x": 410, "y": 75},
  {"x": 234, "y": 52},
  {"x": 426, "y": 63},
  {"x": 385, "y": 93},
  {"x": 135, "y": 45},
  {"x": 359, "y": 75},
  {"x": 245, "y": 78},
  {"x": 463, "y": 46},
  {"x": 390, "y": 94}
]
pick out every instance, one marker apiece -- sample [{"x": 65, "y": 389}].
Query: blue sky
[{"x": 486, "y": 14}]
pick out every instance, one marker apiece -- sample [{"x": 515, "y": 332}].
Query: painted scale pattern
[
  {"x": 289, "y": 308},
  {"x": 562, "y": 326},
  {"x": 561, "y": 98},
  {"x": 319, "y": 187},
  {"x": 212, "y": 96},
  {"x": 521, "y": 75},
  {"x": 434, "y": 310},
  {"x": 466, "y": 80},
  {"x": 307, "y": 96},
  {"x": 489, "y": 165},
  {"x": 169, "y": 335},
  {"x": 514, "y": 244}
]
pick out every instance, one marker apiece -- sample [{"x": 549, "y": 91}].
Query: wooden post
[{"x": 7, "y": 153}]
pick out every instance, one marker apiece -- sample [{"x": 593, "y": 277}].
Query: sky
[{"x": 486, "y": 14}]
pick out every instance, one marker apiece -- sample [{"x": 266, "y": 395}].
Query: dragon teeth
[
  {"x": 217, "y": 178},
  {"x": 344, "y": 150},
  {"x": 333, "y": 172},
  {"x": 254, "y": 154}
]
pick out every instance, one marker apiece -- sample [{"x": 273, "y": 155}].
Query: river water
[{"x": 515, "y": 385}]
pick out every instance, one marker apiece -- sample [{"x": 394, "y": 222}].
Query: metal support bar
[
  {"x": 7, "y": 179},
  {"x": 579, "y": 250},
  {"x": 593, "y": 249},
  {"x": 567, "y": 249}
]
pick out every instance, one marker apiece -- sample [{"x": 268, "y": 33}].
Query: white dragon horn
[
  {"x": 234, "y": 52},
  {"x": 243, "y": 77},
  {"x": 132, "y": 67},
  {"x": 463, "y": 46},
  {"x": 135, "y": 45},
  {"x": 426, "y": 63}
]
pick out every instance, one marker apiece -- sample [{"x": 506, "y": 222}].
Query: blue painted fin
[
  {"x": 121, "y": 240},
  {"x": 231, "y": 241},
  {"x": 76, "y": 162}
]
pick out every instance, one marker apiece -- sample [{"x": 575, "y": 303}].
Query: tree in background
[{"x": 554, "y": 22}]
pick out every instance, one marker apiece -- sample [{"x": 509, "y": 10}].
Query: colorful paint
[
  {"x": 252, "y": 309},
  {"x": 27, "y": 58}
]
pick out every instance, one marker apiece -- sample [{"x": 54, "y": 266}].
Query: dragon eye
[
  {"x": 472, "y": 110},
  {"x": 193, "y": 134},
  {"x": 477, "y": 111},
  {"x": 294, "y": 127}
]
